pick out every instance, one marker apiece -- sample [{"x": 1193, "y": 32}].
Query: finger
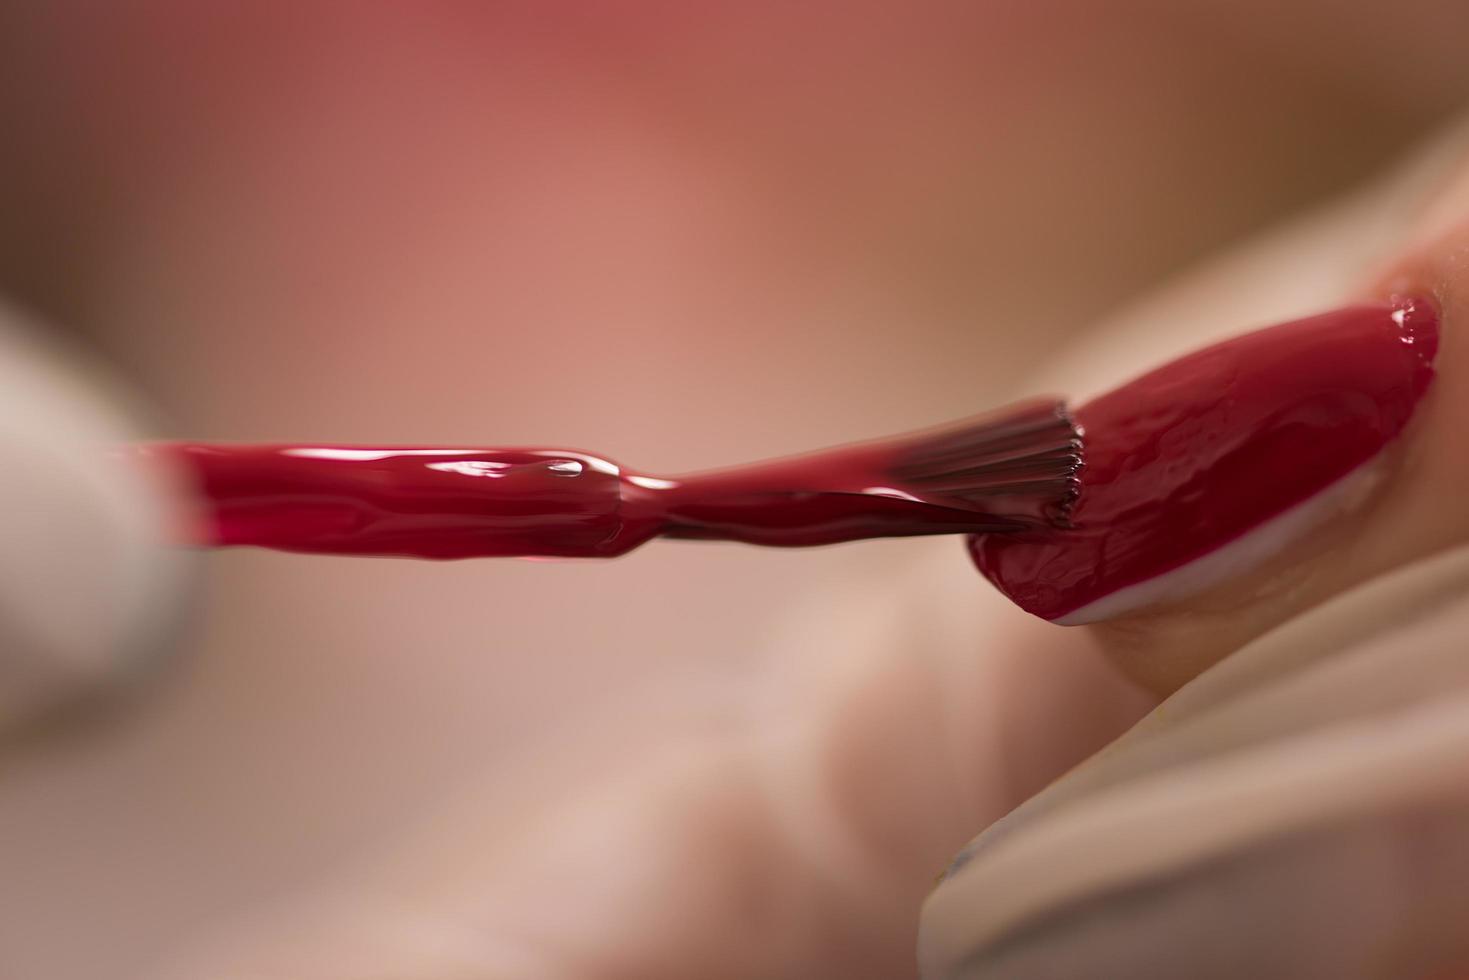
[
  {"x": 87, "y": 586},
  {"x": 1309, "y": 828},
  {"x": 1297, "y": 689},
  {"x": 1301, "y": 461}
]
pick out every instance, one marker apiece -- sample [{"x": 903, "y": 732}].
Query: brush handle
[
  {"x": 464, "y": 503},
  {"x": 1005, "y": 472},
  {"x": 412, "y": 502}
]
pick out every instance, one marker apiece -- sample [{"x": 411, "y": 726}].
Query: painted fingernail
[{"x": 1205, "y": 466}]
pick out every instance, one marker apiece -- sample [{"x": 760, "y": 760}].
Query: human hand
[
  {"x": 795, "y": 841},
  {"x": 233, "y": 200},
  {"x": 1298, "y": 810}
]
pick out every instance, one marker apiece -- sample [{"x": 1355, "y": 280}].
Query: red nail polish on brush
[
  {"x": 1209, "y": 463},
  {"x": 1191, "y": 473},
  {"x": 1007, "y": 471}
]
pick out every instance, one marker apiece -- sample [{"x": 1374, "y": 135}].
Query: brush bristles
[{"x": 1022, "y": 462}]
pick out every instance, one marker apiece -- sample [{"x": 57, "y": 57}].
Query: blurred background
[{"x": 679, "y": 234}]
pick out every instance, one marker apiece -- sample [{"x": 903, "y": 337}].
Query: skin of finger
[
  {"x": 1376, "y": 898},
  {"x": 1257, "y": 695},
  {"x": 1409, "y": 507},
  {"x": 1365, "y": 729}
]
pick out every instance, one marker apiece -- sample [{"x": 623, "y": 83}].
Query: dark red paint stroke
[{"x": 1191, "y": 456}]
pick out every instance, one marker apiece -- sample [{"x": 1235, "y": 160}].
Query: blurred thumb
[{"x": 86, "y": 581}]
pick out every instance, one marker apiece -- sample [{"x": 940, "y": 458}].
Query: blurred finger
[
  {"x": 87, "y": 584},
  {"x": 1312, "y": 827}
]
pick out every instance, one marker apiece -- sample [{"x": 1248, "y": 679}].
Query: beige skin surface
[
  {"x": 1314, "y": 778},
  {"x": 316, "y": 222},
  {"x": 1409, "y": 509}
]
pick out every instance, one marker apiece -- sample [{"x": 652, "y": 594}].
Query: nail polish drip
[
  {"x": 1190, "y": 457},
  {"x": 1012, "y": 470}
]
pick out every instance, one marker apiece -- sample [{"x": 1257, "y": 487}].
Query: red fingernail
[{"x": 1206, "y": 465}]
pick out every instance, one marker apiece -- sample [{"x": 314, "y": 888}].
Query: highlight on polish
[
  {"x": 1172, "y": 483},
  {"x": 1200, "y": 469}
]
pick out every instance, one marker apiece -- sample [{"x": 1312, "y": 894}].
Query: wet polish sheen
[{"x": 1194, "y": 455}]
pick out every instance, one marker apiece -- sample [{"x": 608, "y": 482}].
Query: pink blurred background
[{"x": 680, "y": 234}]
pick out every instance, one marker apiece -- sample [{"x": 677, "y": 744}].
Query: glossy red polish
[
  {"x": 1008, "y": 471},
  {"x": 1192, "y": 457}
]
